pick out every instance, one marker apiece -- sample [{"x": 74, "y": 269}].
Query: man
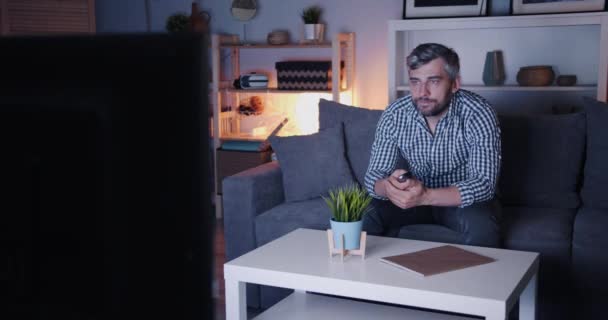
[{"x": 450, "y": 139}]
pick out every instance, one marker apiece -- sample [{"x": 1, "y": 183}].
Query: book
[{"x": 437, "y": 260}]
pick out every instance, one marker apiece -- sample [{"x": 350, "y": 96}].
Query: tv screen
[{"x": 105, "y": 164}]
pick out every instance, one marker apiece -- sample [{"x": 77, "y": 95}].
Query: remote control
[{"x": 404, "y": 177}]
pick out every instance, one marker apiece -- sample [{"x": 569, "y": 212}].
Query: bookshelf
[{"x": 228, "y": 48}]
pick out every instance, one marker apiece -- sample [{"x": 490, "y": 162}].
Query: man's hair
[{"x": 427, "y": 52}]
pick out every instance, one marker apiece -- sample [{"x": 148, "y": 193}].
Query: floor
[{"x": 219, "y": 258}]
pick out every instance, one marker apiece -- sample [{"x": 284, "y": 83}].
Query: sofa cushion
[
  {"x": 286, "y": 217},
  {"x": 547, "y": 231},
  {"x": 430, "y": 232},
  {"x": 589, "y": 248},
  {"x": 542, "y": 160},
  {"x": 595, "y": 181},
  {"x": 312, "y": 164},
  {"x": 359, "y": 135},
  {"x": 332, "y": 113},
  {"x": 359, "y": 131}
]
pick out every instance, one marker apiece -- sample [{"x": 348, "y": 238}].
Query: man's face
[{"x": 431, "y": 88}]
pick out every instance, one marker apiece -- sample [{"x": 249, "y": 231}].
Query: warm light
[
  {"x": 301, "y": 110},
  {"x": 306, "y": 113}
]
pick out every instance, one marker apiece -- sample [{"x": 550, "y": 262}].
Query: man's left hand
[{"x": 415, "y": 193}]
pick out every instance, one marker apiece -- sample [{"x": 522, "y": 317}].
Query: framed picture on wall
[
  {"x": 443, "y": 8},
  {"x": 555, "y": 6}
]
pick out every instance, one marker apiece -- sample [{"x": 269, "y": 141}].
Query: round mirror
[{"x": 243, "y": 10}]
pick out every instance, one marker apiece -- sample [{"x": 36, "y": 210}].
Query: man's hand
[
  {"x": 412, "y": 192},
  {"x": 408, "y": 194}
]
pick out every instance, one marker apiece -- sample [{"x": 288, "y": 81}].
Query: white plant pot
[{"x": 314, "y": 32}]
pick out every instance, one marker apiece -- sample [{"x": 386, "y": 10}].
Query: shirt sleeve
[
  {"x": 482, "y": 133},
  {"x": 384, "y": 153}
]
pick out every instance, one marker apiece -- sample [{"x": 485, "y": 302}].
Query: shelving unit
[
  {"x": 226, "y": 125},
  {"x": 574, "y": 43}
]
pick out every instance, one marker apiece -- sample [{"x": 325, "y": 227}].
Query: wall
[{"x": 364, "y": 17}]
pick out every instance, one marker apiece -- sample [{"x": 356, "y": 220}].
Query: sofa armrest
[{"x": 246, "y": 195}]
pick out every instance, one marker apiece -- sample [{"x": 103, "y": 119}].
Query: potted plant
[
  {"x": 313, "y": 29},
  {"x": 177, "y": 22},
  {"x": 348, "y": 205}
]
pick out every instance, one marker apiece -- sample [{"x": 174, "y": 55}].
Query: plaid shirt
[{"x": 464, "y": 152}]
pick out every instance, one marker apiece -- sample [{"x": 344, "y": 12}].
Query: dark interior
[{"x": 104, "y": 148}]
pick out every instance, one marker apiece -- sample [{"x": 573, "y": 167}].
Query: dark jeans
[{"x": 479, "y": 223}]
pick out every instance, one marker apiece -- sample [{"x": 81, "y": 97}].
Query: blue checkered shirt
[{"x": 464, "y": 152}]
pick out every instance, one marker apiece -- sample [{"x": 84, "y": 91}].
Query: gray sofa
[{"x": 552, "y": 189}]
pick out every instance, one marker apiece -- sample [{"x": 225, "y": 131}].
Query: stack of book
[{"x": 256, "y": 146}]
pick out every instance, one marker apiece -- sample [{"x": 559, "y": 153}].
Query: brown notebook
[{"x": 437, "y": 260}]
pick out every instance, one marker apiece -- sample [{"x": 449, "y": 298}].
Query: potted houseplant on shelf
[
  {"x": 313, "y": 29},
  {"x": 177, "y": 22},
  {"x": 348, "y": 205}
]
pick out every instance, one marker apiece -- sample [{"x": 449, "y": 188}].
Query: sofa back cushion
[
  {"x": 359, "y": 132},
  {"x": 595, "y": 180},
  {"x": 312, "y": 164},
  {"x": 542, "y": 160}
]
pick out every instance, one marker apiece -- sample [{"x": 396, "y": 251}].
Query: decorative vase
[
  {"x": 314, "y": 32},
  {"x": 494, "y": 69},
  {"x": 351, "y": 232}
]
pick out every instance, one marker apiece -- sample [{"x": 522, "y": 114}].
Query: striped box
[{"x": 304, "y": 75}]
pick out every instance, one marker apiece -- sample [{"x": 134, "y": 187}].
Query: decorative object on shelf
[
  {"x": 553, "y": 6},
  {"x": 278, "y": 37},
  {"x": 243, "y": 10},
  {"x": 177, "y": 22},
  {"x": 251, "y": 106},
  {"x": 535, "y": 76},
  {"x": 199, "y": 20},
  {"x": 494, "y": 69},
  {"x": 252, "y": 81},
  {"x": 313, "y": 28},
  {"x": 348, "y": 205},
  {"x": 304, "y": 75},
  {"x": 566, "y": 80},
  {"x": 443, "y": 8}
]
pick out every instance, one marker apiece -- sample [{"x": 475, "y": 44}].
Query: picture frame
[
  {"x": 443, "y": 8},
  {"x": 556, "y": 6}
]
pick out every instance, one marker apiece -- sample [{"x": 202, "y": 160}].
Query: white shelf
[
  {"x": 243, "y": 137},
  {"x": 518, "y": 88},
  {"x": 278, "y": 46},
  {"x": 275, "y": 90},
  {"x": 303, "y": 306},
  {"x": 572, "y": 43}
]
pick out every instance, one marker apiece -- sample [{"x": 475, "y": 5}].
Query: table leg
[
  {"x": 527, "y": 300},
  {"x": 236, "y": 300}
]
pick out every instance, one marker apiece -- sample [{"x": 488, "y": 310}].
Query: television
[{"x": 105, "y": 169}]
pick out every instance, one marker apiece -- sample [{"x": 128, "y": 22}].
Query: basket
[{"x": 305, "y": 75}]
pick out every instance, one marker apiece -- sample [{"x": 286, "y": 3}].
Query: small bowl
[
  {"x": 278, "y": 37},
  {"x": 566, "y": 80},
  {"x": 535, "y": 76}
]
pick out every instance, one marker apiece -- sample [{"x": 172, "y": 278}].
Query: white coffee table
[{"x": 300, "y": 261}]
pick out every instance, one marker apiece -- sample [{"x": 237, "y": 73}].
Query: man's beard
[{"x": 437, "y": 109}]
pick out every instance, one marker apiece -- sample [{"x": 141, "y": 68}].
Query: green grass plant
[{"x": 348, "y": 203}]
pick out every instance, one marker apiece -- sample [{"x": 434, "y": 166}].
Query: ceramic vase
[{"x": 494, "y": 69}]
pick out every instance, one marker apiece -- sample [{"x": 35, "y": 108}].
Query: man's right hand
[{"x": 394, "y": 190}]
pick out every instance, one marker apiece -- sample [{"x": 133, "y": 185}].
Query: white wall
[{"x": 366, "y": 18}]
